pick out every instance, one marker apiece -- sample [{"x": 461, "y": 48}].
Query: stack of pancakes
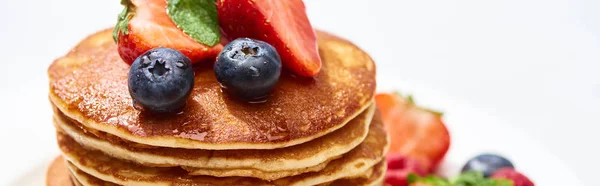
[{"x": 310, "y": 131}]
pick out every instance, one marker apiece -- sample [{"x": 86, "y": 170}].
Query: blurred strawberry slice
[
  {"x": 399, "y": 167},
  {"x": 281, "y": 23},
  {"x": 416, "y": 133},
  {"x": 151, "y": 27}
]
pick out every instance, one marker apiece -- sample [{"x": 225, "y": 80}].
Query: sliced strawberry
[
  {"x": 150, "y": 27},
  {"x": 281, "y": 23},
  {"x": 415, "y": 132},
  {"x": 399, "y": 167}
]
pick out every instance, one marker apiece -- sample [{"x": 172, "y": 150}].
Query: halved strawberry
[
  {"x": 281, "y": 23},
  {"x": 399, "y": 167},
  {"x": 150, "y": 27},
  {"x": 415, "y": 132}
]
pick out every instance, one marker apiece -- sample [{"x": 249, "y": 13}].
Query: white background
[{"x": 530, "y": 67}]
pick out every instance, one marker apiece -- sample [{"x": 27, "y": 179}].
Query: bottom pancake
[
  {"x": 58, "y": 174},
  {"x": 374, "y": 177},
  {"x": 104, "y": 167}
]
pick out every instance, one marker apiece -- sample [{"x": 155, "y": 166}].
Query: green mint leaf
[
  {"x": 470, "y": 178},
  {"x": 197, "y": 18},
  {"x": 474, "y": 178},
  {"x": 411, "y": 178},
  {"x": 430, "y": 180},
  {"x": 123, "y": 19}
]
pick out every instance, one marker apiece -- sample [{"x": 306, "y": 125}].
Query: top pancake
[{"x": 89, "y": 85}]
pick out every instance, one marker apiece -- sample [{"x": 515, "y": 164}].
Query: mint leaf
[
  {"x": 430, "y": 180},
  {"x": 465, "y": 179},
  {"x": 123, "y": 19},
  {"x": 197, "y": 18},
  {"x": 474, "y": 178},
  {"x": 469, "y": 178}
]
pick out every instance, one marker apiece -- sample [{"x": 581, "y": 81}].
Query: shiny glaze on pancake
[
  {"x": 99, "y": 165},
  {"x": 89, "y": 84},
  {"x": 57, "y": 173},
  {"x": 309, "y": 154}
]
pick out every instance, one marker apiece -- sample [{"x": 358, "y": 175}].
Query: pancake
[
  {"x": 273, "y": 164},
  {"x": 104, "y": 167},
  {"x": 373, "y": 178},
  {"x": 57, "y": 174},
  {"x": 86, "y": 179},
  {"x": 89, "y": 85},
  {"x": 263, "y": 175}
]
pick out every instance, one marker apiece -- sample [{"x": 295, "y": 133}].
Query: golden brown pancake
[
  {"x": 270, "y": 164},
  {"x": 106, "y": 168},
  {"x": 263, "y": 175},
  {"x": 373, "y": 179},
  {"x": 89, "y": 84},
  {"x": 57, "y": 174},
  {"x": 86, "y": 179}
]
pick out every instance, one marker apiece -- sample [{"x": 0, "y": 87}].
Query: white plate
[{"x": 516, "y": 77}]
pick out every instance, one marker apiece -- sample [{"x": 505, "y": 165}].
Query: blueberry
[
  {"x": 161, "y": 80},
  {"x": 487, "y": 164},
  {"x": 248, "y": 68}
]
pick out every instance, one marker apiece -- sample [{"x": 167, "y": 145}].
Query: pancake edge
[
  {"x": 349, "y": 169},
  {"x": 173, "y": 142},
  {"x": 151, "y": 159}
]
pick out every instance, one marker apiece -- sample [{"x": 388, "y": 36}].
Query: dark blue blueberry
[
  {"x": 248, "y": 68},
  {"x": 487, "y": 164},
  {"x": 161, "y": 80}
]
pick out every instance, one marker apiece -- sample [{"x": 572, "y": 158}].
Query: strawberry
[
  {"x": 283, "y": 24},
  {"x": 399, "y": 167},
  {"x": 415, "y": 132},
  {"x": 149, "y": 26},
  {"x": 511, "y": 174}
]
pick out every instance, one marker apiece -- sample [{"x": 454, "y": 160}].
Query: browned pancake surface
[
  {"x": 297, "y": 158},
  {"x": 58, "y": 174},
  {"x": 90, "y": 84},
  {"x": 357, "y": 161},
  {"x": 376, "y": 177}
]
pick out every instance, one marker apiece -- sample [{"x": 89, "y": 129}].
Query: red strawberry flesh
[
  {"x": 283, "y": 24},
  {"x": 151, "y": 27},
  {"x": 415, "y": 132},
  {"x": 399, "y": 167},
  {"x": 511, "y": 174}
]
